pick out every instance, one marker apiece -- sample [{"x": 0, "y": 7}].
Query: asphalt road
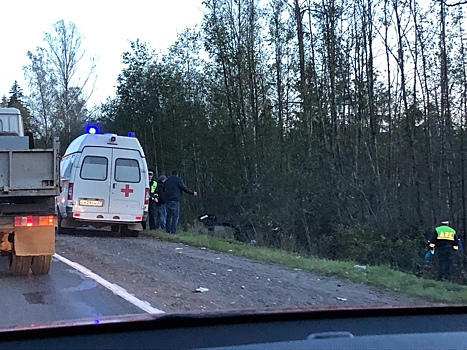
[{"x": 63, "y": 294}]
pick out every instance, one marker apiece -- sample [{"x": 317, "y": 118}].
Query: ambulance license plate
[{"x": 91, "y": 202}]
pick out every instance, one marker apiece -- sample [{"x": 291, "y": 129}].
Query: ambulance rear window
[
  {"x": 127, "y": 170},
  {"x": 94, "y": 168}
]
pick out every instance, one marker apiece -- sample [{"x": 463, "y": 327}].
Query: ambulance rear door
[
  {"x": 93, "y": 180},
  {"x": 127, "y": 191}
]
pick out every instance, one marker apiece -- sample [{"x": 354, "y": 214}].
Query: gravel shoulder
[{"x": 167, "y": 275}]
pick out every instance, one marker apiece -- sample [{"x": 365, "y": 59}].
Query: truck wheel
[
  {"x": 41, "y": 264},
  {"x": 19, "y": 265}
]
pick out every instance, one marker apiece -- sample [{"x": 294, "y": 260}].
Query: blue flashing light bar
[{"x": 91, "y": 128}]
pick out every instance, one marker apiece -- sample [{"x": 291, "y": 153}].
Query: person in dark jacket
[
  {"x": 161, "y": 212},
  {"x": 174, "y": 187},
  {"x": 152, "y": 210},
  {"x": 150, "y": 176},
  {"x": 444, "y": 240}
]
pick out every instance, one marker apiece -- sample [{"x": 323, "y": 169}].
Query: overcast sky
[{"x": 106, "y": 27}]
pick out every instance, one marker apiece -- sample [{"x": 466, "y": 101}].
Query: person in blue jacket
[{"x": 174, "y": 187}]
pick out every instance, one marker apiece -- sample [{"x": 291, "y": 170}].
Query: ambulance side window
[
  {"x": 94, "y": 168},
  {"x": 127, "y": 170},
  {"x": 66, "y": 167},
  {"x": 63, "y": 165}
]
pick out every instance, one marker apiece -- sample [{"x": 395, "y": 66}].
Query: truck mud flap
[{"x": 34, "y": 241}]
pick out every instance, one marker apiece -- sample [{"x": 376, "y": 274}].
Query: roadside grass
[{"x": 380, "y": 276}]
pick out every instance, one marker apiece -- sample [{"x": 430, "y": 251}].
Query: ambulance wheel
[
  {"x": 41, "y": 264},
  {"x": 126, "y": 232},
  {"x": 133, "y": 233},
  {"x": 19, "y": 265},
  {"x": 60, "y": 229}
]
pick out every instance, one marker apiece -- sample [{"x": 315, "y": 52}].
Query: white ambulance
[{"x": 104, "y": 185}]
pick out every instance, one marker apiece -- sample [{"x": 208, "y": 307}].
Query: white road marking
[{"x": 121, "y": 292}]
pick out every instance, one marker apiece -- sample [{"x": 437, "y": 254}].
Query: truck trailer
[{"x": 29, "y": 183}]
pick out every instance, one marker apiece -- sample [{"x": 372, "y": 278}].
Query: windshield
[{"x": 242, "y": 155}]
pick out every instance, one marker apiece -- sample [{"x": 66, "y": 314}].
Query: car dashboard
[{"x": 438, "y": 327}]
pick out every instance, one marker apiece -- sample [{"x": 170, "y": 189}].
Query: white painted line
[{"x": 143, "y": 305}]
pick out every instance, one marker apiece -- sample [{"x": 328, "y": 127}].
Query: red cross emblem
[{"x": 127, "y": 190}]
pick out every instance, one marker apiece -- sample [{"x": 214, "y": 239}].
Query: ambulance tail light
[
  {"x": 70, "y": 192},
  {"x": 33, "y": 221},
  {"x": 146, "y": 196}
]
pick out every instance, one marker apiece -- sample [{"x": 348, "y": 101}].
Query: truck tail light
[
  {"x": 33, "y": 221},
  {"x": 146, "y": 196},
  {"x": 70, "y": 191}
]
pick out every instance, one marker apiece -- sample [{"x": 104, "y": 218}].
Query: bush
[{"x": 375, "y": 246}]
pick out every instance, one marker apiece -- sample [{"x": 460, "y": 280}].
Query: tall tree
[
  {"x": 16, "y": 101},
  {"x": 57, "y": 84},
  {"x": 42, "y": 99}
]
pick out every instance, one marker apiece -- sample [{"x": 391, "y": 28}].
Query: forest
[{"x": 328, "y": 127}]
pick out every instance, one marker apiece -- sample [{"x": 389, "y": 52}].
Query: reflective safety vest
[
  {"x": 153, "y": 187},
  {"x": 445, "y": 232}
]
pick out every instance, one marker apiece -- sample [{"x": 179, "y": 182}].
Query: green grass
[{"x": 380, "y": 276}]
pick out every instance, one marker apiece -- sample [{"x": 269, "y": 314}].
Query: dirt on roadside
[{"x": 179, "y": 278}]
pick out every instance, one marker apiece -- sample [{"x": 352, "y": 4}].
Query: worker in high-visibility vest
[{"x": 444, "y": 240}]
